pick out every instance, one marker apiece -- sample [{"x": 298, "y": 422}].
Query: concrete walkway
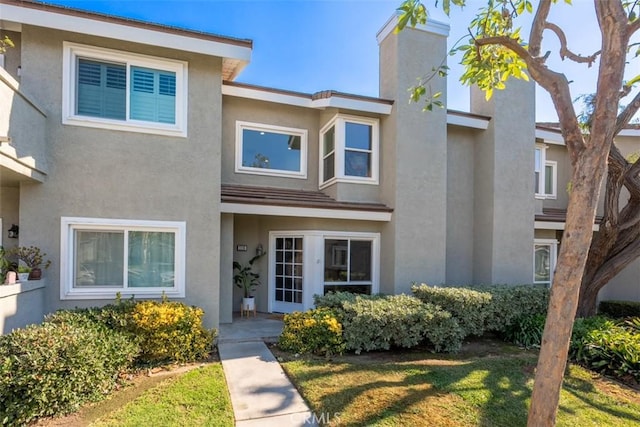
[{"x": 261, "y": 393}]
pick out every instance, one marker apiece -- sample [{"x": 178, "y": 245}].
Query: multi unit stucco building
[{"x": 132, "y": 158}]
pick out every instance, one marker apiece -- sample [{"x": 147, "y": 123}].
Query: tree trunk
[{"x": 563, "y": 303}]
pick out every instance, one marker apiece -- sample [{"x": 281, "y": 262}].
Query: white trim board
[
  {"x": 555, "y": 225},
  {"x": 304, "y": 101},
  {"x": 431, "y": 26},
  {"x": 292, "y": 211}
]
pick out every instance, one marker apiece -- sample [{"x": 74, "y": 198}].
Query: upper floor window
[
  {"x": 117, "y": 90},
  {"x": 545, "y": 174},
  {"x": 349, "y": 150},
  {"x": 271, "y": 150},
  {"x": 101, "y": 257}
]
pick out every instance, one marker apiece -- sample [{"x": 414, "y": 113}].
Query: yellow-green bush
[
  {"x": 315, "y": 331},
  {"x": 170, "y": 331}
]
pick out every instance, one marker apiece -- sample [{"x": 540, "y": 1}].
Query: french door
[{"x": 288, "y": 278}]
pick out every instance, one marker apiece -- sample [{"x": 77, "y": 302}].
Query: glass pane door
[{"x": 288, "y": 278}]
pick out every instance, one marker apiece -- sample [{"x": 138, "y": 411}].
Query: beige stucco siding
[
  {"x": 126, "y": 175},
  {"x": 9, "y": 208},
  {"x": 460, "y": 202},
  {"x": 240, "y": 109}
]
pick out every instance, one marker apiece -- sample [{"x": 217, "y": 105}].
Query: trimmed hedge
[
  {"x": 335, "y": 300},
  {"x": 619, "y": 309},
  {"x": 55, "y": 367},
  {"x": 315, "y": 331},
  {"x": 397, "y": 321},
  {"x": 486, "y": 308},
  {"x": 468, "y": 306}
]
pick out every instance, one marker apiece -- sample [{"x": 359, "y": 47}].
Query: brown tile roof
[
  {"x": 65, "y": 10},
  {"x": 294, "y": 198},
  {"x": 557, "y": 215}
]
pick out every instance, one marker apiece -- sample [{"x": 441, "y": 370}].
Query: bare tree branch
[
  {"x": 537, "y": 27},
  {"x": 565, "y": 52},
  {"x": 627, "y": 114},
  {"x": 633, "y": 27}
]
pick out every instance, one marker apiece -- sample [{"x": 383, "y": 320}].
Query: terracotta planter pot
[{"x": 36, "y": 274}]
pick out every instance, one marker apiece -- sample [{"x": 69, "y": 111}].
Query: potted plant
[
  {"x": 246, "y": 279},
  {"x": 23, "y": 273},
  {"x": 33, "y": 258}
]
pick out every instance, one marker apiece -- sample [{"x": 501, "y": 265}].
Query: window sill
[
  {"x": 545, "y": 197},
  {"x": 348, "y": 180},
  {"x": 138, "y": 127},
  {"x": 110, "y": 294},
  {"x": 274, "y": 173}
]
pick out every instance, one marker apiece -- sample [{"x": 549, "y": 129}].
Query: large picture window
[
  {"x": 271, "y": 150},
  {"x": 118, "y": 90},
  {"x": 102, "y": 257},
  {"x": 349, "y": 150},
  {"x": 348, "y": 265}
]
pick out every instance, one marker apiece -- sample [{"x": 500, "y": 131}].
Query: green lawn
[
  {"x": 197, "y": 398},
  {"x": 488, "y": 388}
]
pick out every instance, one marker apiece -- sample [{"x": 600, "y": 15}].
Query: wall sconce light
[
  {"x": 13, "y": 232},
  {"x": 259, "y": 250}
]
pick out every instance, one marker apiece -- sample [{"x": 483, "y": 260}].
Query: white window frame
[
  {"x": 260, "y": 127},
  {"x": 67, "y": 235},
  {"x": 73, "y": 51},
  {"x": 339, "y": 121},
  {"x": 542, "y": 174},
  {"x": 553, "y": 244},
  {"x": 314, "y": 261},
  {"x": 375, "y": 261}
]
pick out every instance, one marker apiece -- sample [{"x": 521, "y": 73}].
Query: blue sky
[{"x": 313, "y": 45}]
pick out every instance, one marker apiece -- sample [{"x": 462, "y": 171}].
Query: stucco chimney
[{"x": 413, "y": 158}]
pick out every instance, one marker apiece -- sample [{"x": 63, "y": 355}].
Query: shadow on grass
[
  {"x": 586, "y": 392},
  {"x": 486, "y": 391}
]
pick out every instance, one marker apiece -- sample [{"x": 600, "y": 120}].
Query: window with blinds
[{"x": 117, "y": 90}]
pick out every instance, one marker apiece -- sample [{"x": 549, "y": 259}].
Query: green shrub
[
  {"x": 619, "y": 309},
  {"x": 335, "y": 300},
  {"x": 526, "y": 331},
  {"x": 170, "y": 332},
  {"x": 508, "y": 303},
  {"x": 53, "y": 368},
  {"x": 315, "y": 331},
  {"x": 400, "y": 321},
  {"x": 468, "y": 306},
  {"x": 612, "y": 348},
  {"x": 486, "y": 308}
]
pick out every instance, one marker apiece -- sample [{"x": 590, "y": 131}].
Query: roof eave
[{"x": 120, "y": 29}]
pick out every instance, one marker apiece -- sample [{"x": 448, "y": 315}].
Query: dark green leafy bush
[
  {"x": 610, "y": 347},
  {"x": 399, "y": 321},
  {"x": 53, "y": 368},
  {"x": 619, "y": 309},
  {"x": 468, "y": 306},
  {"x": 315, "y": 331},
  {"x": 526, "y": 331}
]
